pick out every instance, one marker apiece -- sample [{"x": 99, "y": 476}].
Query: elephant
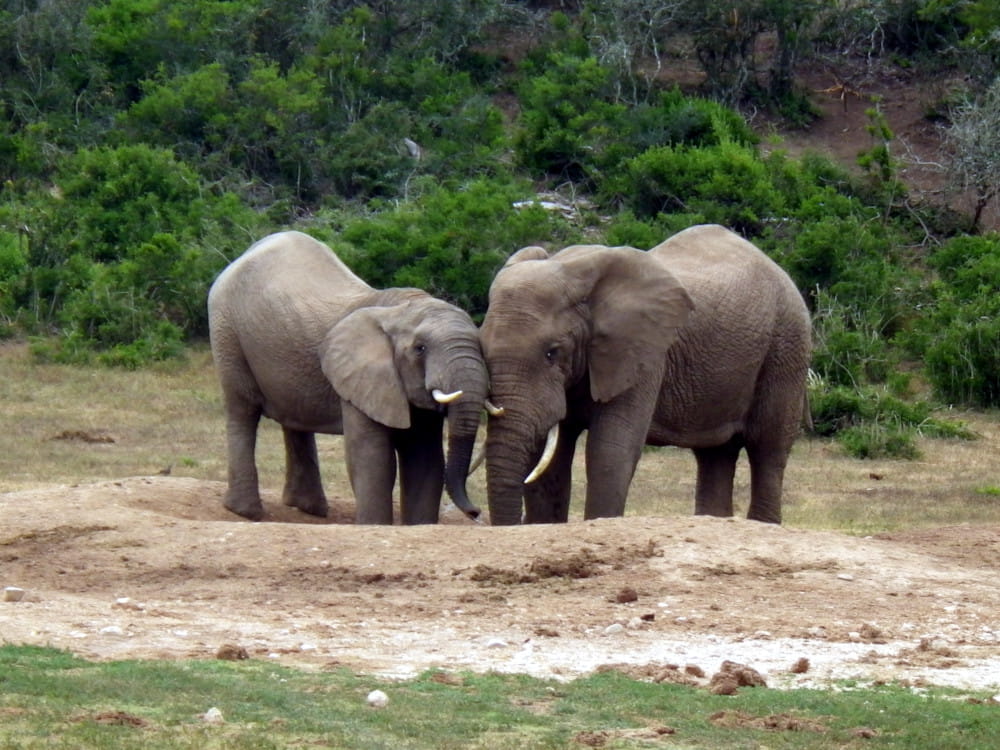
[
  {"x": 702, "y": 342},
  {"x": 297, "y": 337}
]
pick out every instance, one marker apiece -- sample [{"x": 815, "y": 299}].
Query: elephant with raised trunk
[
  {"x": 299, "y": 338},
  {"x": 702, "y": 342}
]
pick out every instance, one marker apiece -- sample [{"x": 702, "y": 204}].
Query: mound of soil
[{"x": 155, "y": 567}]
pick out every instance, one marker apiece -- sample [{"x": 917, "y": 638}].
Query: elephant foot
[
  {"x": 250, "y": 509},
  {"x": 314, "y": 506}
]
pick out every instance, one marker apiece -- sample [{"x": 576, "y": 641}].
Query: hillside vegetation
[{"x": 144, "y": 144}]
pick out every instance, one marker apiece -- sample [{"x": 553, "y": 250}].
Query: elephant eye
[
  {"x": 552, "y": 354},
  {"x": 420, "y": 349}
]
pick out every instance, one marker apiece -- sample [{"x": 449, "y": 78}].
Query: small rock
[
  {"x": 112, "y": 630},
  {"x": 724, "y": 685},
  {"x": 13, "y": 594},
  {"x": 124, "y": 602},
  {"x": 614, "y": 628},
  {"x": 230, "y": 652},
  {"x": 694, "y": 670},
  {"x": 496, "y": 643},
  {"x": 378, "y": 699},
  {"x": 626, "y": 595},
  {"x": 801, "y": 666},
  {"x": 213, "y": 716},
  {"x": 872, "y": 633},
  {"x": 845, "y": 577},
  {"x": 740, "y": 674}
]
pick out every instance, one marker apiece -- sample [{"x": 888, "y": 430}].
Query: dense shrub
[
  {"x": 449, "y": 242},
  {"x": 123, "y": 250},
  {"x": 871, "y": 423},
  {"x": 567, "y": 116},
  {"x": 726, "y": 184},
  {"x": 958, "y": 336}
]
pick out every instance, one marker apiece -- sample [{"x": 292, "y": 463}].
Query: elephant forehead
[{"x": 531, "y": 284}]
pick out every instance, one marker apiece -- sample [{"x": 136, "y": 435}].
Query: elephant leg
[
  {"x": 767, "y": 474},
  {"x": 421, "y": 467},
  {"x": 371, "y": 466},
  {"x": 614, "y": 445},
  {"x": 303, "y": 486},
  {"x": 716, "y": 469},
  {"x": 243, "y": 491},
  {"x": 547, "y": 499}
]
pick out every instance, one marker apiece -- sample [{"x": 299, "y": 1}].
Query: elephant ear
[
  {"x": 637, "y": 308},
  {"x": 357, "y": 358},
  {"x": 532, "y": 252}
]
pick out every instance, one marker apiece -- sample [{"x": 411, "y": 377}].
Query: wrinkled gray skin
[
  {"x": 297, "y": 337},
  {"x": 701, "y": 342}
]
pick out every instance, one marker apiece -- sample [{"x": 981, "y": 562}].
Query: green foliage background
[{"x": 144, "y": 144}]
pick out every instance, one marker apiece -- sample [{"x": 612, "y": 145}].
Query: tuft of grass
[
  {"x": 870, "y": 422},
  {"x": 53, "y": 700},
  {"x": 876, "y": 440}
]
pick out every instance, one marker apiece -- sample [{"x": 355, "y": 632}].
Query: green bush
[
  {"x": 448, "y": 242},
  {"x": 566, "y": 116},
  {"x": 121, "y": 254},
  {"x": 873, "y": 440},
  {"x": 726, "y": 184},
  {"x": 958, "y": 335},
  {"x": 871, "y": 423},
  {"x": 962, "y": 349}
]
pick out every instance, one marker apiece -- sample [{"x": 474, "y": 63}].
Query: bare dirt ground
[{"x": 154, "y": 567}]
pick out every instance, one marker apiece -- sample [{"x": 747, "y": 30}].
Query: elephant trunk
[
  {"x": 511, "y": 444},
  {"x": 468, "y": 375},
  {"x": 463, "y": 419}
]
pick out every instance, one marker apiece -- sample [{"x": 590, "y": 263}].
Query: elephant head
[
  {"x": 590, "y": 323},
  {"x": 421, "y": 353}
]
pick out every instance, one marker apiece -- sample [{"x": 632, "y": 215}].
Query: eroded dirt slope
[{"x": 155, "y": 567}]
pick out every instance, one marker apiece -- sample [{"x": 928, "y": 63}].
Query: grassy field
[
  {"x": 53, "y": 700},
  {"x": 67, "y": 424}
]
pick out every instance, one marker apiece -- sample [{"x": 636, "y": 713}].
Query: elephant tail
[{"x": 807, "y": 420}]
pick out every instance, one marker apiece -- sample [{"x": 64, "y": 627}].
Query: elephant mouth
[{"x": 551, "y": 441}]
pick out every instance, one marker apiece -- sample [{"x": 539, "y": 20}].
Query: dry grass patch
[{"x": 71, "y": 424}]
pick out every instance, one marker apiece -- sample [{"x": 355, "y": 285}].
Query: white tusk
[
  {"x": 550, "y": 448},
  {"x": 445, "y": 398},
  {"x": 493, "y": 410}
]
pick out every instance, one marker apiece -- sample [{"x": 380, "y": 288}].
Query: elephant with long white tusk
[
  {"x": 702, "y": 342},
  {"x": 297, "y": 337}
]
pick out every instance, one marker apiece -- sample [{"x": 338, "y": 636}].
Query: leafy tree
[
  {"x": 725, "y": 37},
  {"x": 132, "y": 38}
]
